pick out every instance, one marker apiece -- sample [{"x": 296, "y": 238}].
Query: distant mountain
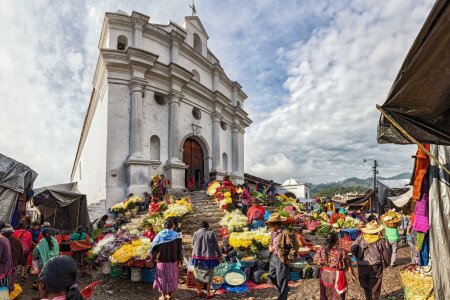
[{"x": 348, "y": 185}]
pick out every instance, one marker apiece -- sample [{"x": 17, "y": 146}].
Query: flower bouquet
[
  {"x": 213, "y": 188},
  {"x": 119, "y": 208},
  {"x": 178, "y": 209},
  {"x": 234, "y": 221}
]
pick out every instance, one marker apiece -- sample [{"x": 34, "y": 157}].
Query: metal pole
[{"x": 374, "y": 199}]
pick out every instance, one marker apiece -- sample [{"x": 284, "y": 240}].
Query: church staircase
[{"x": 204, "y": 208}]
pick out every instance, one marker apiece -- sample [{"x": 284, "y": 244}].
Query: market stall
[
  {"x": 417, "y": 111},
  {"x": 63, "y": 206},
  {"x": 15, "y": 180},
  {"x": 123, "y": 248}
]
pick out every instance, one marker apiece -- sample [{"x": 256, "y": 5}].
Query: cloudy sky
[{"x": 313, "y": 71}]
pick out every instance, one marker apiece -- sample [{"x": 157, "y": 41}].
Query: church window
[
  {"x": 161, "y": 100},
  {"x": 196, "y": 75},
  {"x": 155, "y": 149},
  {"x": 223, "y": 125},
  {"x": 122, "y": 42},
  {"x": 225, "y": 162},
  {"x": 197, "y": 43},
  {"x": 196, "y": 113}
]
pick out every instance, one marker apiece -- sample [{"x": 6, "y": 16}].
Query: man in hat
[
  {"x": 284, "y": 247},
  {"x": 371, "y": 251}
]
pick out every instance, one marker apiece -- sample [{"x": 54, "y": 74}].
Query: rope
[{"x": 411, "y": 139}]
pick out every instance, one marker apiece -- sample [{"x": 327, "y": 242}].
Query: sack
[
  {"x": 34, "y": 267},
  {"x": 203, "y": 274}
]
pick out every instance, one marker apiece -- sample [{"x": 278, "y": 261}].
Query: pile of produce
[
  {"x": 234, "y": 221},
  {"x": 324, "y": 229},
  {"x": 252, "y": 241},
  {"x": 312, "y": 225},
  {"x": 391, "y": 219}
]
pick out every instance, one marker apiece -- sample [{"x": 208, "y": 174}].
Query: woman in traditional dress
[
  {"x": 24, "y": 236},
  {"x": 6, "y": 268},
  {"x": 166, "y": 250},
  {"x": 80, "y": 245},
  {"x": 58, "y": 279},
  {"x": 205, "y": 257},
  {"x": 255, "y": 215},
  {"x": 46, "y": 249},
  {"x": 334, "y": 262}
]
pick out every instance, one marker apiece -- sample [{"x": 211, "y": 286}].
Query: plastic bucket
[
  {"x": 148, "y": 275},
  {"x": 136, "y": 275},
  {"x": 116, "y": 271},
  {"x": 106, "y": 267},
  {"x": 294, "y": 276}
]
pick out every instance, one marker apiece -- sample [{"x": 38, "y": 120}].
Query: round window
[
  {"x": 223, "y": 125},
  {"x": 196, "y": 113},
  {"x": 161, "y": 100}
]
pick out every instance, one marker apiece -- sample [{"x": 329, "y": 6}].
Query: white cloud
[
  {"x": 278, "y": 165},
  {"x": 313, "y": 71},
  {"x": 328, "y": 123}
]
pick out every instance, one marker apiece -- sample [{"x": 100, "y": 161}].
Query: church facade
[{"x": 161, "y": 104}]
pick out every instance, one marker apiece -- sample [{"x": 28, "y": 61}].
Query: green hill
[{"x": 348, "y": 185}]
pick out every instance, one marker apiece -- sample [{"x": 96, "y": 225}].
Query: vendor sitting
[
  {"x": 255, "y": 215},
  {"x": 149, "y": 232},
  {"x": 302, "y": 242}
]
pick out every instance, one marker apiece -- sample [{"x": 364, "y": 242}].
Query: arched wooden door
[{"x": 193, "y": 157}]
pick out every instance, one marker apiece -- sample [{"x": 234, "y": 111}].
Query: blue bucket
[
  {"x": 148, "y": 275},
  {"x": 294, "y": 276}
]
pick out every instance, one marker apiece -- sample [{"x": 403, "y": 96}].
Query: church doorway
[{"x": 193, "y": 157}]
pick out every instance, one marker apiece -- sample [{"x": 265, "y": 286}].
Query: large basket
[
  {"x": 235, "y": 283},
  {"x": 345, "y": 244}
]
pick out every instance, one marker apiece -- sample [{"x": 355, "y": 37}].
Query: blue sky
[{"x": 313, "y": 71}]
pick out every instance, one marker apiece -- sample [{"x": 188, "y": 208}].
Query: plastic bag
[{"x": 34, "y": 267}]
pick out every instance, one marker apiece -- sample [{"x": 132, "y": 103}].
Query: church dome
[{"x": 291, "y": 181}]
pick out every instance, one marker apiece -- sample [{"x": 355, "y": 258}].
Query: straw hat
[
  {"x": 274, "y": 218},
  {"x": 372, "y": 227}
]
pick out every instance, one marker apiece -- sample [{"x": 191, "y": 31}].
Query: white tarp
[
  {"x": 402, "y": 200},
  {"x": 439, "y": 208}
]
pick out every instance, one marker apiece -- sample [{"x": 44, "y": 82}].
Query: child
[{"x": 149, "y": 232}]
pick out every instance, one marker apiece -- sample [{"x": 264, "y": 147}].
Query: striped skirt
[{"x": 166, "y": 277}]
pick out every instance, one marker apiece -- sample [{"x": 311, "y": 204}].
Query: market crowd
[{"x": 36, "y": 249}]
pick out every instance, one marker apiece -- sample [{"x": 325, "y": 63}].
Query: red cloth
[
  {"x": 24, "y": 236},
  {"x": 255, "y": 213}
]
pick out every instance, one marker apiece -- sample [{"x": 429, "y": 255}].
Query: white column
[
  {"x": 235, "y": 150},
  {"x": 174, "y": 47},
  {"x": 174, "y": 147},
  {"x": 137, "y": 35},
  {"x": 136, "y": 120},
  {"x": 215, "y": 80},
  {"x": 216, "y": 142}
]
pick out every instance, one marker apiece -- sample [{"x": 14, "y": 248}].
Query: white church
[{"x": 161, "y": 104}]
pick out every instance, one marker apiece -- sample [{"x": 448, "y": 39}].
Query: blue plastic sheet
[{"x": 236, "y": 289}]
